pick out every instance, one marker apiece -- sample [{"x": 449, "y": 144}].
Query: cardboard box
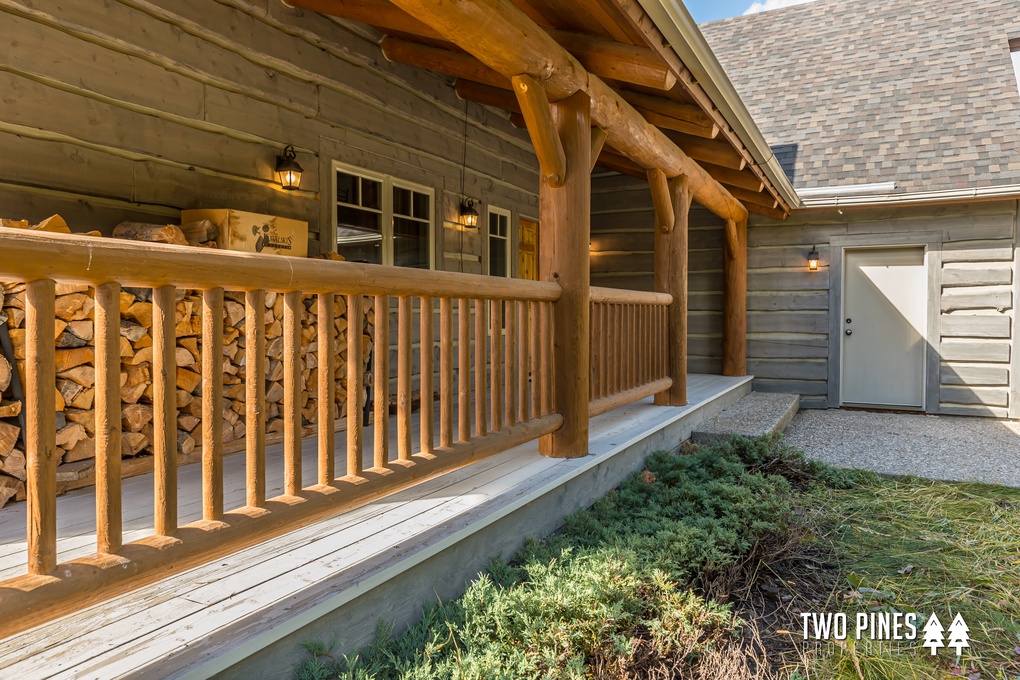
[{"x": 254, "y": 233}]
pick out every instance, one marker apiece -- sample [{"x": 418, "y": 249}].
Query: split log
[
  {"x": 10, "y": 409},
  {"x": 200, "y": 231},
  {"x": 5, "y": 373},
  {"x": 9, "y": 488},
  {"x": 156, "y": 233},
  {"x": 8, "y": 437},
  {"x": 14, "y": 464}
]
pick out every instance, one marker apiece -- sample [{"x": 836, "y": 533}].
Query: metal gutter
[
  {"x": 952, "y": 196},
  {"x": 684, "y": 36}
]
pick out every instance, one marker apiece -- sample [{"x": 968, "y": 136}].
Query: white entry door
[{"x": 885, "y": 293}]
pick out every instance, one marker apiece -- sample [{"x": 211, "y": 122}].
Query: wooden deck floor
[{"x": 257, "y": 591}]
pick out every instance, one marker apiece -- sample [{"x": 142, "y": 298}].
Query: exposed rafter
[
  {"x": 505, "y": 39},
  {"x": 606, "y": 58},
  {"x": 639, "y": 20}
]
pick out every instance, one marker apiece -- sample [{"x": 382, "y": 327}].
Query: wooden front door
[{"x": 527, "y": 248}]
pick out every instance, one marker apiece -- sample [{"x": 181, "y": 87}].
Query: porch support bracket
[{"x": 537, "y": 114}]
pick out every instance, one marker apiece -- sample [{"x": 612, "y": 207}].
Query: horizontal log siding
[
  {"x": 976, "y": 297},
  {"x": 622, "y": 257},
  {"x": 186, "y": 103},
  {"x": 788, "y": 306}
]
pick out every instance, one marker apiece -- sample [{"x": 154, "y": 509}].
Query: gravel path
[{"x": 951, "y": 448}]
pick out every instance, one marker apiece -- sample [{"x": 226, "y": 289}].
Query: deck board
[{"x": 243, "y": 594}]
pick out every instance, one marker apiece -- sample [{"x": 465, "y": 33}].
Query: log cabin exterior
[
  {"x": 398, "y": 113},
  {"x": 606, "y": 128},
  {"x": 898, "y": 125}
]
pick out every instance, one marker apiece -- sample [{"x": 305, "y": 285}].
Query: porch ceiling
[{"x": 612, "y": 39}]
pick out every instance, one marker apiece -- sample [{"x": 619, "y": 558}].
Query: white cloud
[{"x": 766, "y": 5}]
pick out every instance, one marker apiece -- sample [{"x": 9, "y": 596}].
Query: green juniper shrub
[{"x": 611, "y": 594}]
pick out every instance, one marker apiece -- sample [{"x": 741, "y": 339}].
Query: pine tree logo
[
  {"x": 958, "y": 635},
  {"x": 933, "y": 634}
]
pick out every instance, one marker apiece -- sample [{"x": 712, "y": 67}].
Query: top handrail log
[
  {"x": 618, "y": 296},
  {"x": 71, "y": 258}
]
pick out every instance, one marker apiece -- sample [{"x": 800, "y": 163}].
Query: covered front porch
[
  {"x": 527, "y": 388},
  {"x": 246, "y": 614}
]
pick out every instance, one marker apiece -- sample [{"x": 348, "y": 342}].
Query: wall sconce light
[
  {"x": 468, "y": 214},
  {"x": 812, "y": 259},
  {"x": 288, "y": 172}
]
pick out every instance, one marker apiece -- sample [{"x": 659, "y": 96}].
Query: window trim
[
  {"x": 495, "y": 210},
  {"x": 388, "y": 183}
]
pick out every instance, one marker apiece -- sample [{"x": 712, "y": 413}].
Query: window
[
  {"x": 381, "y": 219},
  {"x": 499, "y": 242}
]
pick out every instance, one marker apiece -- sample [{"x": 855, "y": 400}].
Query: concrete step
[{"x": 757, "y": 414}]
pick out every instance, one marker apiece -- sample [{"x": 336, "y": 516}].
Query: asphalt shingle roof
[{"x": 861, "y": 91}]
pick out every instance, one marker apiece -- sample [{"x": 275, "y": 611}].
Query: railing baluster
[
  {"x": 292, "y": 383},
  {"x": 603, "y": 350},
  {"x": 545, "y": 368},
  {"x": 594, "y": 358},
  {"x": 481, "y": 418},
  {"x": 355, "y": 383},
  {"x": 534, "y": 340},
  {"x": 326, "y": 396},
  {"x": 445, "y": 372},
  {"x": 164, "y": 407},
  {"x": 663, "y": 343},
  {"x": 496, "y": 364},
  {"x": 255, "y": 397},
  {"x": 510, "y": 400},
  {"x": 426, "y": 341},
  {"x": 109, "y": 521},
  {"x": 523, "y": 362},
  {"x": 404, "y": 378},
  {"x": 644, "y": 347},
  {"x": 631, "y": 360},
  {"x": 381, "y": 383},
  {"x": 40, "y": 426},
  {"x": 212, "y": 404},
  {"x": 463, "y": 370},
  {"x": 618, "y": 352}
]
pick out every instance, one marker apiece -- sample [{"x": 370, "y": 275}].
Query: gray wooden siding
[
  {"x": 788, "y": 306},
  {"x": 622, "y": 252},
  {"x": 136, "y": 109}
]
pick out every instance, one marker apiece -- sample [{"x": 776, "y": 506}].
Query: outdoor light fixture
[
  {"x": 812, "y": 259},
  {"x": 288, "y": 172},
  {"x": 468, "y": 214}
]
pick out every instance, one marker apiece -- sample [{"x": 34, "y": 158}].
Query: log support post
[
  {"x": 735, "y": 298},
  {"x": 671, "y": 266},
  {"x": 563, "y": 258}
]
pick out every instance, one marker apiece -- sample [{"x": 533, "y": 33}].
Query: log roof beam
[
  {"x": 754, "y": 198},
  {"x": 501, "y": 36},
  {"x": 606, "y": 58}
]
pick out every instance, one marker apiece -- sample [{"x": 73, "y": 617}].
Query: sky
[{"x": 712, "y": 10}]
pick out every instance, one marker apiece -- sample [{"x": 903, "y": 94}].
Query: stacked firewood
[{"x": 75, "y": 359}]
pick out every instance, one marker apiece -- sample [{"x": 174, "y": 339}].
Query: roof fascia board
[
  {"x": 684, "y": 36},
  {"x": 1005, "y": 191}
]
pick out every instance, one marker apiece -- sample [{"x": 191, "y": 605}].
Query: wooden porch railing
[
  {"x": 503, "y": 408},
  {"x": 629, "y": 347}
]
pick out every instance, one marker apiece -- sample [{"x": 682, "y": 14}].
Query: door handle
[{"x": 848, "y": 332}]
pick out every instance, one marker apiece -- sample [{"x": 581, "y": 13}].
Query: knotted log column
[
  {"x": 735, "y": 298},
  {"x": 563, "y": 258},
  {"x": 673, "y": 203}
]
